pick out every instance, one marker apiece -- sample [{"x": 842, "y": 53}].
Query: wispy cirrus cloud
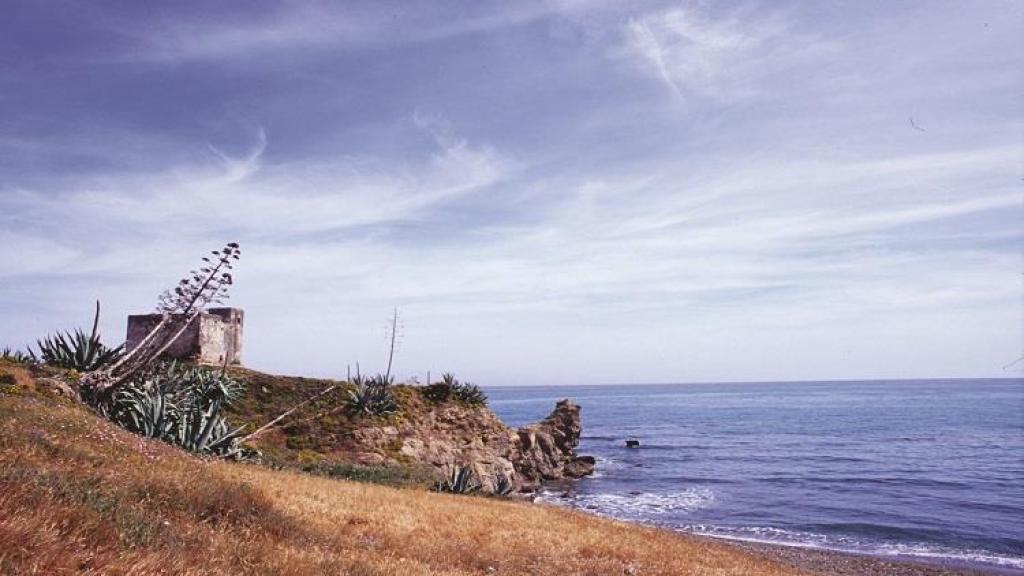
[
  {"x": 756, "y": 206},
  {"x": 315, "y": 26},
  {"x": 243, "y": 197},
  {"x": 722, "y": 57}
]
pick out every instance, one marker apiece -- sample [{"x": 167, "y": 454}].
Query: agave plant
[
  {"x": 449, "y": 388},
  {"x": 146, "y": 410},
  {"x": 503, "y": 485},
  {"x": 181, "y": 406},
  {"x": 212, "y": 385},
  {"x": 438, "y": 392},
  {"x": 470, "y": 394},
  {"x": 77, "y": 350},
  {"x": 371, "y": 397},
  {"x": 461, "y": 481},
  {"x": 201, "y": 428},
  {"x": 17, "y": 356}
]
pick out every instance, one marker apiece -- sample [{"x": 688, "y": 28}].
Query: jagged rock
[
  {"x": 452, "y": 435},
  {"x": 547, "y": 450},
  {"x": 580, "y": 466},
  {"x": 370, "y": 459},
  {"x": 57, "y": 387}
]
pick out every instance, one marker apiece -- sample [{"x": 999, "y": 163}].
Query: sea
[{"x": 917, "y": 469}]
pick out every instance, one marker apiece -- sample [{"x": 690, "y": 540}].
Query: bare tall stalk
[
  {"x": 391, "y": 348},
  {"x": 179, "y": 308}
]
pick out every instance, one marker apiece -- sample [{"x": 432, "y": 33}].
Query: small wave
[
  {"x": 606, "y": 462},
  {"x": 970, "y": 556},
  {"x": 641, "y": 505},
  {"x": 602, "y": 465},
  {"x": 779, "y": 536}
]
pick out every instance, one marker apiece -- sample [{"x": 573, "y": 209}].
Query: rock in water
[
  {"x": 547, "y": 450},
  {"x": 580, "y": 466}
]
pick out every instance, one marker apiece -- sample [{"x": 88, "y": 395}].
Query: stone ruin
[{"x": 213, "y": 337}]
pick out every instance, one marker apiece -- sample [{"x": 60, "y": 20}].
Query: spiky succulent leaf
[
  {"x": 77, "y": 350},
  {"x": 461, "y": 481},
  {"x": 18, "y": 356},
  {"x": 503, "y": 485},
  {"x": 371, "y": 397},
  {"x": 449, "y": 388},
  {"x": 181, "y": 406}
]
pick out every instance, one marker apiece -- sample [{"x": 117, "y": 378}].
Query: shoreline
[
  {"x": 830, "y": 561},
  {"x": 841, "y": 563},
  {"x": 204, "y": 515}
]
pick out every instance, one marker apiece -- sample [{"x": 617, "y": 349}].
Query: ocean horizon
[
  {"x": 570, "y": 386},
  {"x": 917, "y": 469}
]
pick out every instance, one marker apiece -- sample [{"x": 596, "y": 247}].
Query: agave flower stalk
[{"x": 180, "y": 307}]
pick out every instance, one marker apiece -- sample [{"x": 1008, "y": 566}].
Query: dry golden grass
[
  {"x": 79, "y": 495},
  {"x": 15, "y": 377}
]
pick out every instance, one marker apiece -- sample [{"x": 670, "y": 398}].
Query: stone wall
[{"x": 209, "y": 339}]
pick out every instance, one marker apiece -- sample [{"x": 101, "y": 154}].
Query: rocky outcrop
[
  {"x": 448, "y": 435},
  {"x": 547, "y": 450}
]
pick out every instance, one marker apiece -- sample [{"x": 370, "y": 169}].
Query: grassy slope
[
  {"x": 319, "y": 435},
  {"x": 79, "y": 495}
]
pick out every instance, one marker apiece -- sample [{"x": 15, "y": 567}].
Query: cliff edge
[
  {"x": 432, "y": 437},
  {"x": 452, "y": 435}
]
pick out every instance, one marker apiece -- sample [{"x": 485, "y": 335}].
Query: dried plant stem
[
  {"x": 180, "y": 308},
  {"x": 270, "y": 424},
  {"x": 391, "y": 348}
]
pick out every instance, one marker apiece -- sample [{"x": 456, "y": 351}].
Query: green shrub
[
  {"x": 464, "y": 481},
  {"x": 437, "y": 393},
  {"x": 17, "y": 356},
  {"x": 450, "y": 389},
  {"x": 470, "y": 395},
  {"x": 181, "y": 406},
  {"x": 461, "y": 481},
  {"x": 9, "y": 384},
  {"x": 390, "y": 475},
  {"x": 371, "y": 397},
  {"x": 503, "y": 486},
  {"x": 77, "y": 350}
]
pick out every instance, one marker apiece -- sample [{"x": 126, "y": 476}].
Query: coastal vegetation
[
  {"x": 78, "y": 350},
  {"x": 461, "y": 481},
  {"x": 362, "y": 428},
  {"x": 371, "y": 396},
  {"x": 82, "y": 495},
  {"x": 450, "y": 389},
  {"x": 181, "y": 405},
  {"x": 16, "y": 356},
  {"x": 122, "y": 462}
]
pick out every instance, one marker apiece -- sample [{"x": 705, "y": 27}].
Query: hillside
[
  {"x": 422, "y": 440},
  {"x": 80, "y": 495}
]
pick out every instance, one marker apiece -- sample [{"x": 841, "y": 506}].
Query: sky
[{"x": 550, "y": 192}]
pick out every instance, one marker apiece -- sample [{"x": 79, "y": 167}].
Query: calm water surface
[{"x": 929, "y": 468}]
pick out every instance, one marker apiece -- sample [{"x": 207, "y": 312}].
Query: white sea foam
[
  {"x": 778, "y": 536},
  {"x": 650, "y": 507},
  {"x": 642, "y": 505},
  {"x": 604, "y": 465}
]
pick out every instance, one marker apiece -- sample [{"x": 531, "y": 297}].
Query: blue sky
[{"x": 551, "y": 192}]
